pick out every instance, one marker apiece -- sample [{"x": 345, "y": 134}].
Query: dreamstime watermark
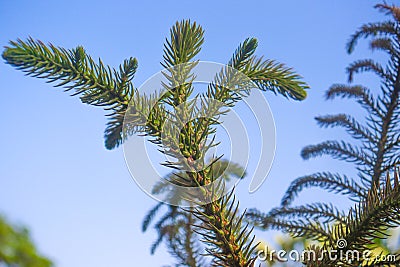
[
  {"x": 340, "y": 253},
  {"x": 249, "y": 131}
]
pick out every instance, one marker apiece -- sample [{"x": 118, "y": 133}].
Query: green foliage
[
  {"x": 176, "y": 226},
  {"x": 227, "y": 239},
  {"x": 377, "y": 153},
  {"x": 96, "y": 83},
  {"x": 17, "y": 248},
  {"x": 380, "y": 138},
  {"x": 367, "y": 221},
  {"x": 218, "y": 229}
]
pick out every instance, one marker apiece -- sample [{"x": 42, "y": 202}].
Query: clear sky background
[{"x": 77, "y": 198}]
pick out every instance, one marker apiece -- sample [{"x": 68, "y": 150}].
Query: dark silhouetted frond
[
  {"x": 338, "y": 150},
  {"x": 331, "y": 182},
  {"x": 325, "y": 213},
  {"x": 357, "y": 130},
  {"x": 387, "y": 28},
  {"x": 357, "y": 92},
  {"x": 389, "y": 10},
  {"x": 367, "y": 65}
]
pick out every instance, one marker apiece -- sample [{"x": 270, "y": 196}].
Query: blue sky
[{"x": 78, "y": 199}]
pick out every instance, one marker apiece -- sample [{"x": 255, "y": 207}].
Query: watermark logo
[
  {"x": 245, "y": 130},
  {"x": 339, "y": 253},
  {"x": 341, "y": 243}
]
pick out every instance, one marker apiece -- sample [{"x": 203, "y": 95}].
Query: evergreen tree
[
  {"x": 227, "y": 240},
  {"x": 376, "y": 191}
]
